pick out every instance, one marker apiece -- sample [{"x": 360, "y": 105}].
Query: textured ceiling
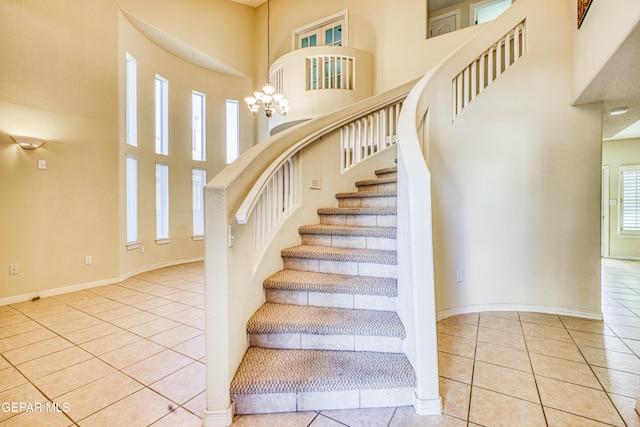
[{"x": 253, "y": 3}]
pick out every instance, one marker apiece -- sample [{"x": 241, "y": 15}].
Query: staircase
[{"x": 328, "y": 336}]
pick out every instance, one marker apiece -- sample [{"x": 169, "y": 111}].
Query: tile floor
[{"x": 133, "y": 354}]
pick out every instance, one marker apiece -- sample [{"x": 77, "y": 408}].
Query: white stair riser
[
  {"x": 317, "y": 401},
  {"x": 367, "y": 202},
  {"x": 355, "y": 242},
  {"x": 325, "y": 299},
  {"x": 341, "y": 267},
  {"x": 390, "y": 186},
  {"x": 360, "y": 220},
  {"x": 296, "y": 341}
]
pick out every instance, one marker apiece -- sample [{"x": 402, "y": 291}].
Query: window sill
[
  {"x": 197, "y": 238},
  {"x": 163, "y": 241},
  {"x": 628, "y": 235},
  {"x": 132, "y": 246}
]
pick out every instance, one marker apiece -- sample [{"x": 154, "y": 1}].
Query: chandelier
[{"x": 268, "y": 100}]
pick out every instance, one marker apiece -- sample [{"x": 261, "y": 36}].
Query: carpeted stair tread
[
  {"x": 365, "y": 194},
  {"x": 305, "y": 319},
  {"x": 377, "y": 181},
  {"x": 358, "y": 211},
  {"x": 264, "y": 371},
  {"x": 349, "y": 230},
  {"x": 294, "y": 280},
  {"x": 393, "y": 169},
  {"x": 331, "y": 253}
]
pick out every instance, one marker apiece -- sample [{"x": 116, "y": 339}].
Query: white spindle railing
[
  {"x": 277, "y": 200},
  {"x": 277, "y": 79},
  {"x": 486, "y": 68},
  {"x": 369, "y": 135},
  {"x": 330, "y": 72}
]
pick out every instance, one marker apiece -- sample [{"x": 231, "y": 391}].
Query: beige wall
[
  {"x": 395, "y": 35},
  {"x": 516, "y": 180},
  {"x": 58, "y": 81},
  {"x": 183, "y": 78},
  {"x": 625, "y": 152},
  {"x": 61, "y": 79}
]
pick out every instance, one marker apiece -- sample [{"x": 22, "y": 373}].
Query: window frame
[
  {"x": 131, "y": 200},
  {"x": 131, "y": 100},
  {"x": 319, "y": 27},
  {"x": 197, "y": 198},
  {"x": 162, "y": 115},
  {"x": 199, "y": 149},
  {"x": 229, "y": 142},
  {"x": 162, "y": 203},
  {"x": 622, "y": 231},
  {"x": 474, "y": 6}
]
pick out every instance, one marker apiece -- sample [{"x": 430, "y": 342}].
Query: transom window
[{"x": 330, "y": 31}]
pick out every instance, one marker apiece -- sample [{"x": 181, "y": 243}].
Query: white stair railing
[
  {"x": 369, "y": 135},
  {"x": 276, "y": 201},
  {"x": 330, "y": 72},
  {"x": 487, "y": 67}
]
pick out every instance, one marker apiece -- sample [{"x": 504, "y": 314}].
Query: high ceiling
[
  {"x": 253, "y": 3},
  {"x": 615, "y": 86}
]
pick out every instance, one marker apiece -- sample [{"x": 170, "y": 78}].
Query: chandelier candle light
[{"x": 268, "y": 100}]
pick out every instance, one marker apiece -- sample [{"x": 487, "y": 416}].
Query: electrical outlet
[
  {"x": 458, "y": 276},
  {"x": 13, "y": 269},
  {"x": 88, "y": 259}
]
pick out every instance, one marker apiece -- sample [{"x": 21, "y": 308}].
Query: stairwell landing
[{"x": 328, "y": 336}]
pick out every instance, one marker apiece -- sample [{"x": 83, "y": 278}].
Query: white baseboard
[
  {"x": 427, "y": 406},
  {"x": 81, "y": 286},
  {"x": 222, "y": 418},
  {"x": 443, "y": 314}
]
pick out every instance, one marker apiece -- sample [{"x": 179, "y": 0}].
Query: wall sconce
[{"x": 27, "y": 142}]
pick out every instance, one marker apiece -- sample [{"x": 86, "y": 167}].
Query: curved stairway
[{"x": 328, "y": 336}]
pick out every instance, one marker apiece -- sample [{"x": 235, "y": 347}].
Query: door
[{"x": 443, "y": 24}]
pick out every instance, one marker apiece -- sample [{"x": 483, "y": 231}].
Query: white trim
[
  {"x": 443, "y": 314},
  {"x": 606, "y": 212},
  {"x": 427, "y": 406},
  {"x": 88, "y": 285},
  {"x": 223, "y": 418},
  {"x": 443, "y": 15},
  {"x": 343, "y": 14}
]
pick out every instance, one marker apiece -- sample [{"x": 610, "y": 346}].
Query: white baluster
[{"x": 507, "y": 51}]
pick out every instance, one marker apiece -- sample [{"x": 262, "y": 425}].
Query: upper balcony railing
[{"x": 320, "y": 79}]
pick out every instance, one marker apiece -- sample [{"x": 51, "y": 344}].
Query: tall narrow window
[
  {"x": 198, "y": 123},
  {"x": 233, "y": 130},
  {"x": 199, "y": 179},
  {"x": 162, "y": 201},
  {"x": 131, "y": 100},
  {"x": 162, "y": 115},
  {"x": 630, "y": 200},
  {"x": 131, "y": 171}
]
